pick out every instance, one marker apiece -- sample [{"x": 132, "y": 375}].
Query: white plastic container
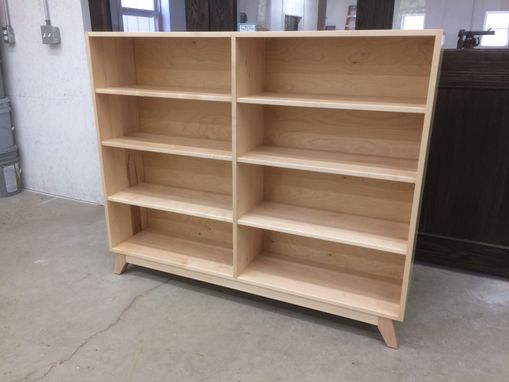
[
  {"x": 6, "y": 129},
  {"x": 10, "y": 172}
]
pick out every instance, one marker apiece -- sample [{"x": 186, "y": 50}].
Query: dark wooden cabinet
[
  {"x": 465, "y": 209},
  {"x": 211, "y": 15},
  {"x": 374, "y": 14},
  {"x": 100, "y": 15}
]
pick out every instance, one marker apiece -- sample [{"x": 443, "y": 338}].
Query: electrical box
[
  {"x": 8, "y": 35},
  {"x": 50, "y": 34}
]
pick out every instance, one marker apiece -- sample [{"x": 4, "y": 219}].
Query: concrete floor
[{"x": 64, "y": 316}]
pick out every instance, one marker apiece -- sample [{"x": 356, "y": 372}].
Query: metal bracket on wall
[
  {"x": 8, "y": 35},
  {"x": 49, "y": 33},
  {"x": 7, "y": 30}
]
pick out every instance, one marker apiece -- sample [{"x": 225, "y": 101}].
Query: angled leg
[
  {"x": 120, "y": 264},
  {"x": 388, "y": 332}
]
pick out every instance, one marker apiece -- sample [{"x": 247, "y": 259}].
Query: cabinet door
[{"x": 465, "y": 209}]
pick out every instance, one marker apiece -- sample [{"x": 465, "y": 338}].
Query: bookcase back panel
[
  {"x": 183, "y": 62},
  {"x": 362, "y": 66},
  {"x": 186, "y": 172},
  {"x": 352, "y": 195},
  {"x": 112, "y": 61},
  {"x": 191, "y": 228},
  {"x": 124, "y": 221},
  {"x": 118, "y": 115},
  {"x": 329, "y": 255},
  {"x": 250, "y": 63},
  {"x": 395, "y": 135},
  {"x": 122, "y": 169},
  {"x": 184, "y": 118}
]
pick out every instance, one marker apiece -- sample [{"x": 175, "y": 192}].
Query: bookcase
[{"x": 283, "y": 164}]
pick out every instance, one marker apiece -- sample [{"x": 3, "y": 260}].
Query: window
[
  {"x": 499, "y": 22},
  {"x": 412, "y": 21},
  {"x": 140, "y": 15}
]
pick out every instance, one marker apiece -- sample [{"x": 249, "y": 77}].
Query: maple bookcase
[{"x": 284, "y": 164}]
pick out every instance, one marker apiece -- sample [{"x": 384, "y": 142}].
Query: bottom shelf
[
  {"x": 369, "y": 295},
  {"x": 179, "y": 252}
]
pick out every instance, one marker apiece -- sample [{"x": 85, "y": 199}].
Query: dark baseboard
[{"x": 477, "y": 257}]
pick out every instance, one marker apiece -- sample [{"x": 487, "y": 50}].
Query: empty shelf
[
  {"x": 219, "y": 95},
  {"x": 188, "y": 202},
  {"x": 383, "y": 235},
  {"x": 194, "y": 147},
  {"x": 392, "y": 104},
  {"x": 402, "y": 170},
  {"x": 353, "y": 291},
  {"x": 179, "y": 252}
]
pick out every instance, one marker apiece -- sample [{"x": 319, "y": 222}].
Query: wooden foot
[
  {"x": 388, "y": 332},
  {"x": 120, "y": 264}
]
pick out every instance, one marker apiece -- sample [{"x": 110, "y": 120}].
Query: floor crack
[{"x": 95, "y": 334}]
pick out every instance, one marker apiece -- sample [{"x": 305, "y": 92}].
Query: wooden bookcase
[{"x": 288, "y": 165}]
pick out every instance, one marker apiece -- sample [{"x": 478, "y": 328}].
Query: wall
[
  {"x": 52, "y": 103},
  {"x": 480, "y": 8},
  {"x": 307, "y": 9},
  {"x": 336, "y": 12},
  {"x": 177, "y": 15},
  {"x": 250, "y": 8},
  {"x": 453, "y": 15},
  {"x": 310, "y": 20},
  {"x": 276, "y": 15}
]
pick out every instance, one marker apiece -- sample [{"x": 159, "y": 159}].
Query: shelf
[
  {"x": 383, "y": 235},
  {"x": 353, "y": 291},
  {"x": 391, "y": 104},
  {"x": 171, "y": 199},
  {"x": 193, "y": 147},
  {"x": 395, "y": 169},
  {"x": 218, "y": 95},
  {"x": 178, "y": 252}
]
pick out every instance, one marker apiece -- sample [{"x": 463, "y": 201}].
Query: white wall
[
  {"x": 250, "y": 8},
  {"x": 310, "y": 20},
  {"x": 453, "y": 15},
  {"x": 276, "y": 15},
  {"x": 177, "y": 15},
  {"x": 52, "y": 104},
  {"x": 482, "y": 6},
  {"x": 336, "y": 12},
  {"x": 307, "y": 9}
]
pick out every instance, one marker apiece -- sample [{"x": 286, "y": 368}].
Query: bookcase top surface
[{"x": 265, "y": 34}]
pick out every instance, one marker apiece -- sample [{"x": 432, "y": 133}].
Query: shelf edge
[
  {"x": 331, "y": 105},
  {"x": 219, "y": 97},
  {"x": 246, "y": 222},
  {"x": 141, "y": 147},
  {"x": 326, "y": 170}
]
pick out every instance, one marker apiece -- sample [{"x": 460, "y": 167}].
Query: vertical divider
[
  {"x": 249, "y": 68},
  {"x": 233, "y": 42}
]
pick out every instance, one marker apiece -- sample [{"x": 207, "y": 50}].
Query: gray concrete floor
[{"x": 64, "y": 316}]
